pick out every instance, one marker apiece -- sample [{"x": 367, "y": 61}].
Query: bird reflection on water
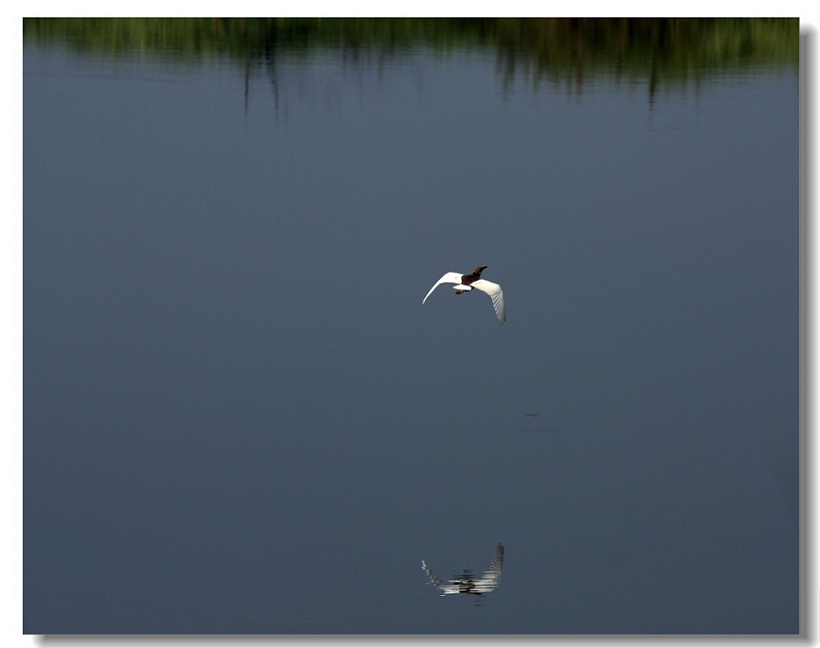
[{"x": 465, "y": 583}]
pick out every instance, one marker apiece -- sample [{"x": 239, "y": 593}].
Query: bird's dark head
[{"x": 478, "y": 270}]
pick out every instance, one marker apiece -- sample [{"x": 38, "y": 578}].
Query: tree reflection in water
[{"x": 464, "y": 583}]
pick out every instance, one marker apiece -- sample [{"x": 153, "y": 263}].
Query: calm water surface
[{"x": 239, "y": 417}]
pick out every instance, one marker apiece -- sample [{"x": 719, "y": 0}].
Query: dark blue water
[{"x": 239, "y": 417}]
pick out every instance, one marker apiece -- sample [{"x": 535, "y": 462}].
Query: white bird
[{"x": 467, "y": 282}]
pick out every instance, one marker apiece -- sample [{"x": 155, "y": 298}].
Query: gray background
[{"x": 238, "y": 416}]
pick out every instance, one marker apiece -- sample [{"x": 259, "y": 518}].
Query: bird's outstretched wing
[
  {"x": 494, "y": 291},
  {"x": 492, "y": 576},
  {"x": 434, "y": 580},
  {"x": 449, "y": 277}
]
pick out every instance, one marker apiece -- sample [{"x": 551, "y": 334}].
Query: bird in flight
[{"x": 466, "y": 282}]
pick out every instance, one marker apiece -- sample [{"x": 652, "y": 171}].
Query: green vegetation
[{"x": 662, "y": 51}]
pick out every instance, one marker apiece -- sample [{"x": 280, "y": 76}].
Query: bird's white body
[{"x": 492, "y": 289}]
